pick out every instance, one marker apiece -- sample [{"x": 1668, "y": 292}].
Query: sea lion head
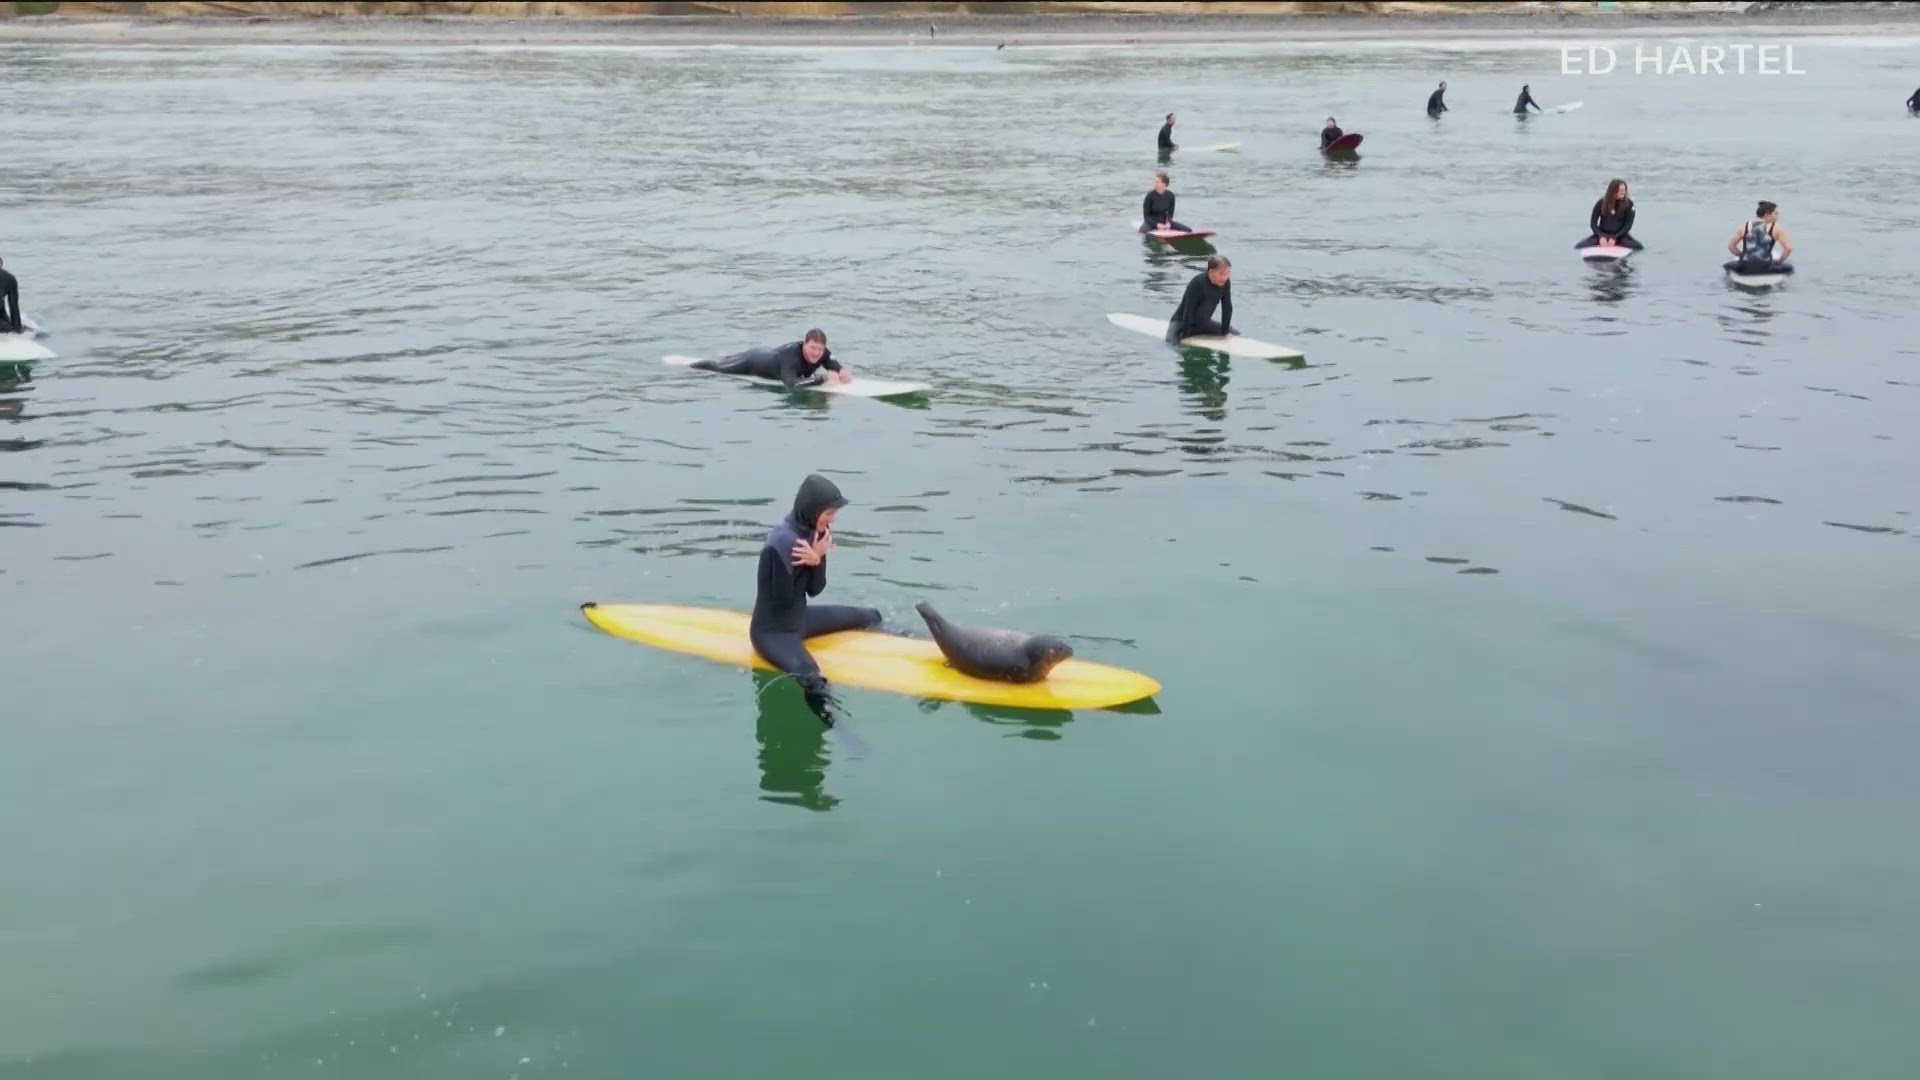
[{"x": 1045, "y": 652}]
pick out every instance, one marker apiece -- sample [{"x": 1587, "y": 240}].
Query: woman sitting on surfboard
[
  {"x": 1206, "y": 292},
  {"x": 1612, "y": 220},
  {"x": 1752, "y": 246},
  {"x": 1156, "y": 210},
  {"x": 793, "y": 567},
  {"x": 797, "y": 363},
  {"x": 1330, "y": 134}
]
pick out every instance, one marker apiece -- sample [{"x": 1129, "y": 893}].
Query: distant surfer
[
  {"x": 1156, "y": 210},
  {"x": 1913, "y": 103},
  {"x": 9, "y": 301},
  {"x": 1753, "y": 245},
  {"x": 793, "y": 567},
  {"x": 1166, "y": 136},
  {"x": 1526, "y": 99},
  {"x": 1330, "y": 134},
  {"x": 1208, "y": 291},
  {"x": 806, "y": 362},
  {"x": 1437, "y": 102},
  {"x": 1612, "y": 220}
]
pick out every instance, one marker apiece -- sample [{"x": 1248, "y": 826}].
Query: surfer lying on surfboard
[
  {"x": 806, "y": 362},
  {"x": 1156, "y": 210},
  {"x": 1330, "y": 134},
  {"x": 793, "y": 567},
  {"x": 1206, "y": 292},
  {"x": 1752, "y": 246},
  {"x": 1612, "y": 220}
]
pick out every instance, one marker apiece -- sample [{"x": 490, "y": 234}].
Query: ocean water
[{"x": 1539, "y": 656}]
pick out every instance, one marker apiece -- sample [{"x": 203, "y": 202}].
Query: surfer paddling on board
[
  {"x": 1526, "y": 99},
  {"x": 1437, "y": 102},
  {"x": 1166, "y": 135},
  {"x": 1330, "y": 134},
  {"x": 1753, "y": 244},
  {"x": 9, "y": 301},
  {"x": 1156, "y": 210},
  {"x": 793, "y": 567},
  {"x": 1612, "y": 220},
  {"x": 1207, "y": 291},
  {"x": 806, "y": 362}
]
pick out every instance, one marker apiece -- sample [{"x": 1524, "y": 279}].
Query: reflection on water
[
  {"x": 1611, "y": 284},
  {"x": 792, "y": 745},
  {"x": 1203, "y": 382},
  {"x": 1040, "y": 725}
]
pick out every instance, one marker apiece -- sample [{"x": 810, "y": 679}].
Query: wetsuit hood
[{"x": 817, "y": 495}]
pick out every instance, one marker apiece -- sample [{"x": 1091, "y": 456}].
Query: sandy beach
[{"x": 969, "y": 31}]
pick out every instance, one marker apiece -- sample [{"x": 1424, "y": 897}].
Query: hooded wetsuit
[
  {"x": 1166, "y": 136},
  {"x": 1329, "y": 135},
  {"x": 1526, "y": 99},
  {"x": 9, "y": 302},
  {"x": 785, "y": 363},
  {"x": 1156, "y": 211},
  {"x": 782, "y": 621},
  {"x": 1617, "y": 226},
  {"x": 1436, "y": 104},
  {"x": 1194, "y": 316}
]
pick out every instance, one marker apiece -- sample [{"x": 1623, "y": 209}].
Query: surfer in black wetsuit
[
  {"x": 1156, "y": 210},
  {"x": 1206, "y": 292},
  {"x": 1612, "y": 219},
  {"x": 806, "y": 362},
  {"x": 1436, "y": 102},
  {"x": 9, "y": 302},
  {"x": 1913, "y": 103},
  {"x": 1526, "y": 99},
  {"x": 793, "y": 567},
  {"x": 1166, "y": 135},
  {"x": 1330, "y": 134}
]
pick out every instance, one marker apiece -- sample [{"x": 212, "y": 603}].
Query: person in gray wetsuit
[{"x": 806, "y": 362}]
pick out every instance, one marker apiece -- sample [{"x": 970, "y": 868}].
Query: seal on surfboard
[{"x": 997, "y": 655}]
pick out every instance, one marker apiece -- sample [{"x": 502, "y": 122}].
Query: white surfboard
[
  {"x": 1605, "y": 254},
  {"x": 859, "y": 386},
  {"x": 22, "y": 349},
  {"x": 1568, "y": 107},
  {"x": 33, "y": 329},
  {"x": 1232, "y": 346},
  {"x": 1756, "y": 281},
  {"x": 1224, "y": 148}
]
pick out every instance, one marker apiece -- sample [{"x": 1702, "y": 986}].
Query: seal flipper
[{"x": 938, "y": 627}]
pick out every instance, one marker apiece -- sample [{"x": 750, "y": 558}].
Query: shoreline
[{"x": 953, "y": 31}]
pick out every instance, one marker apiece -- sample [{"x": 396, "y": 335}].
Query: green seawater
[{"x": 1539, "y": 658}]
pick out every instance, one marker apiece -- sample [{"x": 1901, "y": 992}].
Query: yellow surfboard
[{"x": 866, "y": 659}]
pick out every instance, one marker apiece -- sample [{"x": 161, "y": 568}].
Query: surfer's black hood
[{"x": 817, "y": 495}]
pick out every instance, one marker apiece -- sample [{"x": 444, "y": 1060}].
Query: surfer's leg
[
  {"x": 1177, "y": 226},
  {"x": 1207, "y": 328},
  {"x": 833, "y": 618},
  {"x": 785, "y": 651},
  {"x": 1626, "y": 240},
  {"x": 1591, "y": 240}
]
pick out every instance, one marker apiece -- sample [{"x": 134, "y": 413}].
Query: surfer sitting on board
[
  {"x": 1156, "y": 210},
  {"x": 1612, "y": 220},
  {"x": 9, "y": 302},
  {"x": 1166, "y": 134},
  {"x": 1526, "y": 99},
  {"x": 1436, "y": 102},
  {"x": 793, "y": 567},
  {"x": 1752, "y": 246},
  {"x": 1207, "y": 291},
  {"x": 1330, "y": 134},
  {"x": 797, "y": 363}
]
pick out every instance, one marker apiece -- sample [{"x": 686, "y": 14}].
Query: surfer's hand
[
  {"x": 805, "y": 554},
  {"x": 844, "y": 375},
  {"x": 823, "y": 543}
]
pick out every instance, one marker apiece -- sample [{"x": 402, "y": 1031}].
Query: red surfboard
[
  {"x": 1170, "y": 235},
  {"x": 1344, "y": 144}
]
